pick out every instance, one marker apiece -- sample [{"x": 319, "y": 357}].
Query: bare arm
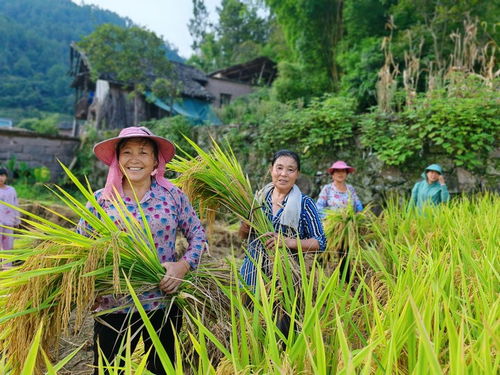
[{"x": 307, "y": 244}]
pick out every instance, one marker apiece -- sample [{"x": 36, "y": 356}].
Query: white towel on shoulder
[{"x": 292, "y": 210}]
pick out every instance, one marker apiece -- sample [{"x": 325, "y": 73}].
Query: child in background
[{"x": 8, "y": 216}]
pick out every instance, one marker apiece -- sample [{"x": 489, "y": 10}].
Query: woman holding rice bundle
[
  {"x": 136, "y": 160},
  {"x": 337, "y": 196},
  {"x": 293, "y": 214}
]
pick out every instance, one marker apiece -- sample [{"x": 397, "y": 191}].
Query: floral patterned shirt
[
  {"x": 333, "y": 199},
  {"x": 167, "y": 210}
]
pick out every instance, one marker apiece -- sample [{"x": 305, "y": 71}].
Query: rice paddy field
[{"x": 423, "y": 297}]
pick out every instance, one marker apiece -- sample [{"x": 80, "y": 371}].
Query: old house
[
  {"x": 109, "y": 103},
  {"x": 241, "y": 79}
]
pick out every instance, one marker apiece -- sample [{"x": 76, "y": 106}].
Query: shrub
[
  {"x": 314, "y": 130},
  {"x": 252, "y": 109},
  {"x": 296, "y": 81},
  {"x": 44, "y": 125},
  {"x": 174, "y": 129},
  {"x": 464, "y": 126}
]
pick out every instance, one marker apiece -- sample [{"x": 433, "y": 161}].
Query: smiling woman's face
[
  {"x": 284, "y": 173},
  {"x": 137, "y": 159},
  {"x": 339, "y": 175}
]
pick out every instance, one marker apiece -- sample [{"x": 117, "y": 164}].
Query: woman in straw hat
[{"x": 136, "y": 160}]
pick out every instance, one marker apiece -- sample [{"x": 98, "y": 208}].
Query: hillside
[{"x": 34, "y": 51}]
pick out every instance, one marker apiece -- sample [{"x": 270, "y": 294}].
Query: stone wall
[{"x": 37, "y": 150}]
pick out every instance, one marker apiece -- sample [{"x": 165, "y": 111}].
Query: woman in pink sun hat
[
  {"x": 338, "y": 196},
  {"x": 136, "y": 160}
]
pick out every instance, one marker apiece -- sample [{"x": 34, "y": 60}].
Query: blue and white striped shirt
[{"x": 309, "y": 227}]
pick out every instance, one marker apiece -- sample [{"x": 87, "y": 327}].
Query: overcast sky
[{"x": 167, "y": 18}]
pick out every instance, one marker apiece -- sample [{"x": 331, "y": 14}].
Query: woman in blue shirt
[
  {"x": 294, "y": 217},
  {"x": 292, "y": 213}
]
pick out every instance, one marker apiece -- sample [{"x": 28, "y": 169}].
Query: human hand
[
  {"x": 174, "y": 275},
  {"x": 244, "y": 229},
  {"x": 274, "y": 239},
  {"x": 97, "y": 302},
  {"x": 441, "y": 180}
]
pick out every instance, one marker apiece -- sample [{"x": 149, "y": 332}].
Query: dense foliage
[
  {"x": 335, "y": 46},
  {"x": 175, "y": 129},
  {"x": 44, "y": 125},
  {"x": 34, "y": 43},
  {"x": 314, "y": 130},
  {"x": 239, "y": 35},
  {"x": 461, "y": 125},
  {"x": 34, "y": 47},
  {"x": 463, "y": 128}
]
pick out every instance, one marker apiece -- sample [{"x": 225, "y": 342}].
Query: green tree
[
  {"x": 312, "y": 29},
  {"x": 44, "y": 125},
  {"x": 240, "y": 26},
  {"x": 238, "y": 36},
  {"x": 34, "y": 40},
  {"x": 134, "y": 56},
  {"x": 199, "y": 24}
]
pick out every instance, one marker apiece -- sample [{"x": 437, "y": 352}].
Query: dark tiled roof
[
  {"x": 259, "y": 71},
  {"x": 192, "y": 80}
]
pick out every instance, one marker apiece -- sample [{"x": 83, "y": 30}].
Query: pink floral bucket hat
[
  {"x": 106, "y": 152},
  {"x": 339, "y": 164}
]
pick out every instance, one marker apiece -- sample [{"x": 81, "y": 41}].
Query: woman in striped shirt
[
  {"x": 295, "y": 220},
  {"x": 292, "y": 213}
]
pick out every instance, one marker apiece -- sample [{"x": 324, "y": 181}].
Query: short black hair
[
  {"x": 288, "y": 153},
  {"x": 3, "y": 171}
]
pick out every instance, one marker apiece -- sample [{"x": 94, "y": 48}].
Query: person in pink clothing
[
  {"x": 8, "y": 216},
  {"x": 136, "y": 160},
  {"x": 338, "y": 196}
]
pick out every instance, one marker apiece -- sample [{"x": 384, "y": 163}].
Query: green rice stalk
[
  {"x": 213, "y": 180},
  {"x": 64, "y": 271}
]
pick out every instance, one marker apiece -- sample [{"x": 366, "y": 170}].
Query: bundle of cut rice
[
  {"x": 214, "y": 180},
  {"x": 62, "y": 270}
]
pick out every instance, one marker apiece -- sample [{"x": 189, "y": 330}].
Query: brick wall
[{"x": 37, "y": 150}]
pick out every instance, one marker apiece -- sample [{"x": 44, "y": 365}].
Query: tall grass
[
  {"x": 426, "y": 302},
  {"x": 425, "y": 299},
  {"x": 214, "y": 180},
  {"x": 62, "y": 270}
]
